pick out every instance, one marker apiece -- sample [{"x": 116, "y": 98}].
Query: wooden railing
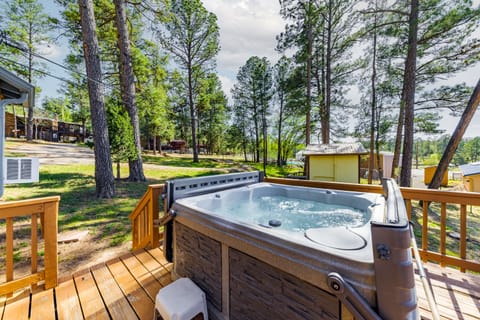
[
  {"x": 47, "y": 210},
  {"x": 144, "y": 219},
  {"x": 428, "y": 210}
]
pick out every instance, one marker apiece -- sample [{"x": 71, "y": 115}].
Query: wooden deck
[
  {"x": 122, "y": 288},
  {"x": 125, "y": 288},
  {"x": 457, "y": 294}
]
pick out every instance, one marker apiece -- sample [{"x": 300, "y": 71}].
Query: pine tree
[
  {"x": 127, "y": 85},
  {"x": 252, "y": 93},
  {"x": 191, "y": 35},
  {"x": 104, "y": 181},
  {"x": 27, "y": 28}
]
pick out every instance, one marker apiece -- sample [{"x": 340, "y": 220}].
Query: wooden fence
[
  {"x": 47, "y": 210},
  {"x": 433, "y": 212},
  {"x": 144, "y": 219},
  {"x": 433, "y": 224}
]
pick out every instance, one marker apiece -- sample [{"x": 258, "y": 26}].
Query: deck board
[
  {"x": 125, "y": 288},
  {"x": 457, "y": 294},
  {"x": 89, "y": 296},
  {"x": 17, "y": 307},
  {"x": 116, "y": 302},
  {"x": 43, "y": 306},
  {"x": 68, "y": 303},
  {"x": 142, "y": 275},
  {"x": 136, "y": 295},
  {"x": 2, "y": 305}
]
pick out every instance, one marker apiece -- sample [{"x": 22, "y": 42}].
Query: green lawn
[{"x": 79, "y": 207}]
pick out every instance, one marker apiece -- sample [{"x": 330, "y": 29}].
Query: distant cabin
[
  {"x": 429, "y": 172},
  {"x": 471, "y": 176},
  {"x": 334, "y": 162},
  {"x": 385, "y": 167},
  {"x": 45, "y": 129}
]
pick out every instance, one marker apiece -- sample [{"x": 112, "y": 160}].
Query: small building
[
  {"x": 334, "y": 162},
  {"x": 429, "y": 172},
  {"x": 385, "y": 167},
  {"x": 13, "y": 91},
  {"x": 471, "y": 176},
  {"x": 178, "y": 146}
]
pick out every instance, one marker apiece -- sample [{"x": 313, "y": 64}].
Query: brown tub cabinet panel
[
  {"x": 259, "y": 291},
  {"x": 199, "y": 258}
]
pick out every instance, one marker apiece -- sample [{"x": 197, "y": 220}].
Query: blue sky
[{"x": 247, "y": 28}]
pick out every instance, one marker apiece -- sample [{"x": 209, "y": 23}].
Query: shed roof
[
  {"x": 12, "y": 87},
  {"x": 470, "y": 169},
  {"x": 335, "y": 148}
]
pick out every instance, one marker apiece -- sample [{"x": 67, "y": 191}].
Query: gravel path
[{"x": 55, "y": 153}]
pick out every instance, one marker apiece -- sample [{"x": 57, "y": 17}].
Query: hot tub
[{"x": 267, "y": 251}]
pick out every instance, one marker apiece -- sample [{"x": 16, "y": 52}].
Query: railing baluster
[
  {"x": 34, "y": 245},
  {"x": 155, "y": 207},
  {"x": 443, "y": 231},
  {"x": 425, "y": 229},
  {"x": 463, "y": 233},
  {"x": 9, "y": 250}
]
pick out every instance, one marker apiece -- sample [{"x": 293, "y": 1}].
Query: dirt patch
[
  {"x": 77, "y": 256},
  {"x": 54, "y": 153},
  {"x": 73, "y": 256}
]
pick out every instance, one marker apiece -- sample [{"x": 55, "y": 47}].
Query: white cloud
[
  {"x": 227, "y": 85},
  {"x": 247, "y": 28},
  {"x": 52, "y": 51}
]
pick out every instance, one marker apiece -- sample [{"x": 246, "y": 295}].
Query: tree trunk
[
  {"x": 128, "y": 88},
  {"x": 324, "y": 118},
  {"x": 118, "y": 169},
  {"x": 309, "y": 83},
  {"x": 398, "y": 138},
  {"x": 193, "y": 122},
  {"x": 456, "y": 138},
  {"x": 244, "y": 146},
  {"x": 29, "y": 123},
  {"x": 256, "y": 156},
  {"x": 373, "y": 110},
  {"x": 328, "y": 78},
  {"x": 279, "y": 134},
  {"x": 154, "y": 145},
  {"x": 409, "y": 95},
  {"x": 104, "y": 180},
  {"x": 264, "y": 131}
]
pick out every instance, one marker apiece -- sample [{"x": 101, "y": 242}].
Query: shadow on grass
[
  {"x": 187, "y": 162},
  {"x": 81, "y": 209}
]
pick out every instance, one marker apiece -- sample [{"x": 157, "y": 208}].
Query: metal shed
[
  {"x": 471, "y": 176},
  {"x": 334, "y": 162}
]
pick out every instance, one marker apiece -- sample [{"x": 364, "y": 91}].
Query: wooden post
[
  {"x": 463, "y": 234},
  {"x": 443, "y": 231},
  {"x": 425, "y": 229},
  {"x": 50, "y": 238},
  {"x": 34, "y": 246},
  {"x": 9, "y": 249},
  {"x": 155, "y": 209}
]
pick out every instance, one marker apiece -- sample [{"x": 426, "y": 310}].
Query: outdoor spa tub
[{"x": 269, "y": 251}]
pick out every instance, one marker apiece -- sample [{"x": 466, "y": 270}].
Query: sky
[{"x": 247, "y": 28}]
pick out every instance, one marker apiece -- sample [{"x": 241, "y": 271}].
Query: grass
[
  {"x": 187, "y": 162},
  {"x": 79, "y": 207},
  {"x": 275, "y": 171}
]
